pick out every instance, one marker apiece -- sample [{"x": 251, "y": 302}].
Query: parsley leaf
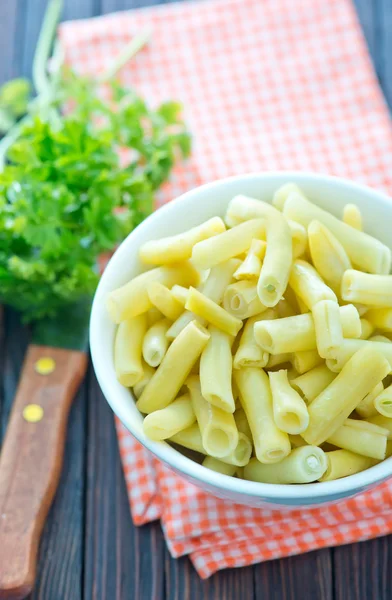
[{"x": 78, "y": 180}]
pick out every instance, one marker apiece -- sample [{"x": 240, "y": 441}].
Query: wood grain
[
  {"x": 306, "y": 577},
  {"x": 122, "y": 561},
  {"x": 74, "y": 560},
  {"x": 8, "y": 16},
  {"x": 363, "y": 570},
  {"x": 182, "y": 582},
  {"x": 108, "y": 6},
  {"x": 30, "y": 463},
  {"x": 61, "y": 555}
]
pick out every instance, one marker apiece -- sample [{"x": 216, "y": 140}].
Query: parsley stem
[
  {"x": 42, "y": 83},
  {"x": 10, "y": 138},
  {"x": 128, "y": 52},
  {"x": 44, "y": 45}
]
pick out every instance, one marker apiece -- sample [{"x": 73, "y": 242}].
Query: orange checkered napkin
[{"x": 267, "y": 84}]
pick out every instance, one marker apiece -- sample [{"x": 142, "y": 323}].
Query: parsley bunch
[{"x": 65, "y": 194}]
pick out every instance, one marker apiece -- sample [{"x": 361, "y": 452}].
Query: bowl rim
[{"x": 170, "y": 456}]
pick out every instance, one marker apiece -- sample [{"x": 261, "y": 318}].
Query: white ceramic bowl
[{"x": 187, "y": 211}]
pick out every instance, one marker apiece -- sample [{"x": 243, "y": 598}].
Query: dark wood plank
[
  {"x": 182, "y": 582},
  {"x": 61, "y": 552},
  {"x": 8, "y": 21},
  {"x": 81, "y": 9},
  {"x": 367, "y": 13},
  {"x": 14, "y": 346},
  {"x": 362, "y": 571},
  {"x": 108, "y": 6},
  {"x": 34, "y": 12},
  {"x": 384, "y": 46},
  {"x": 121, "y": 561},
  {"x": 60, "y": 573},
  {"x": 307, "y": 576}
]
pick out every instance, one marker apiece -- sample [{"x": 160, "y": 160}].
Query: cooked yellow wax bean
[
  {"x": 183, "y": 320},
  {"x": 162, "y": 298},
  {"x": 180, "y": 293},
  {"x": 132, "y": 298},
  {"x": 214, "y": 287},
  {"x": 383, "y": 422},
  {"x": 215, "y": 370},
  {"x": 242, "y": 301},
  {"x": 303, "y": 309},
  {"x": 303, "y": 465},
  {"x": 367, "y": 329},
  {"x": 306, "y": 360},
  {"x": 153, "y": 316},
  {"x": 283, "y": 193},
  {"x": 174, "y": 368},
  {"x": 249, "y": 353},
  {"x": 189, "y": 438},
  {"x": 297, "y": 441},
  {"x": 342, "y": 463},
  {"x": 217, "y": 465},
  {"x": 250, "y": 268},
  {"x": 148, "y": 372},
  {"x": 128, "y": 350},
  {"x": 290, "y": 411},
  {"x": 242, "y": 452},
  {"x": 275, "y": 270},
  {"x": 366, "y": 407},
  {"x": 308, "y": 285},
  {"x": 242, "y": 422},
  {"x": 350, "y": 347},
  {"x": 243, "y": 208},
  {"x": 284, "y": 309},
  {"x": 297, "y": 333},
  {"x": 155, "y": 343},
  {"x": 271, "y": 444},
  {"x": 219, "y": 278},
  {"x": 383, "y": 402},
  {"x": 361, "y": 437},
  {"x": 226, "y": 245},
  {"x": 211, "y": 312},
  {"x": 368, "y": 289},
  {"x": 379, "y": 338},
  {"x": 388, "y": 453},
  {"x": 217, "y": 427},
  {"x": 364, "y": 251},
  {"x": 380, "y": 318},
  {"x": 352, "y": 216},
  {"x": 166, "y": 422},
  {"x": 361, "y": 308},
  {"x": 276, "y": 360},
  {"x": 299, "y": 238},
  {"x": 312, "y": 383},
  {"x": 291, "y": 374},
  {"x": 328, "y": 255},
  {"x": 332, "y": 407},
  {"x": 179, "y": 247},
  {"x": 292, "y": 299},
  {"x": 328, "y": 327}
]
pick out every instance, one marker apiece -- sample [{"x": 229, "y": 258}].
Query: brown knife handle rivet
[
  {"x": 33, "y": 413},
  {"x": 45, "y": 365}
]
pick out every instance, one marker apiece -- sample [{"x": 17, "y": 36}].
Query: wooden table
[{"x": 90, "y": 548}]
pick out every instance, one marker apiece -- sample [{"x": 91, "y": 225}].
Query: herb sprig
[{"x": 66, "y": 196}]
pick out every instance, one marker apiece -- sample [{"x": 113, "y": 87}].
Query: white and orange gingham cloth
[{"x": 266, "y": 85}]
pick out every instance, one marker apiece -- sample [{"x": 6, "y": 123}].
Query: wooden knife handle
[{"x": 31, "y": 459}]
